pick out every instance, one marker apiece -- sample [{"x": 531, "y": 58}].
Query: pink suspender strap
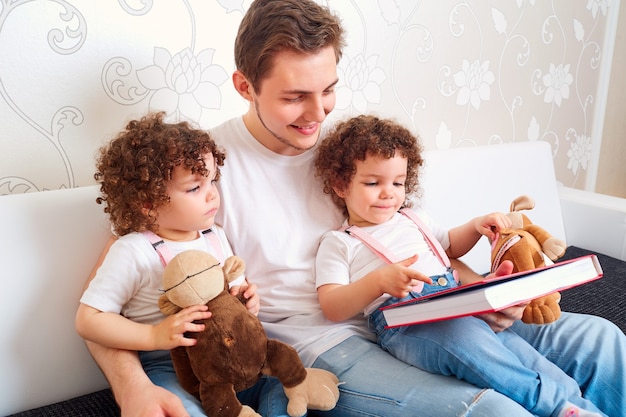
[
  {"x": 214, "y": 242},
  {"x": 166, "y": 255},
  {"x": 159, "y": 246},
  {"x": 389, "y": 257},
  {"x": 371, "y": 243},
  {"x": 428, "y": 235}
]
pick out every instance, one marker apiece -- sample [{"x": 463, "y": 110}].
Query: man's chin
[{"x": 300, "y": 145}]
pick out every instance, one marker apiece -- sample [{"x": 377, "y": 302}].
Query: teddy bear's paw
[
  {"x": 318, "y": 391},
  {"x": 248, "y": 412},
  {"x": 543, "y": 310},
  {"x": 554, "y": 248}
]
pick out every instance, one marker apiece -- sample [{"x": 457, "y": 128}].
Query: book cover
[{"x": 494, "y": 294}]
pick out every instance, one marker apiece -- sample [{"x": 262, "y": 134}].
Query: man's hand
[
  {"x": 149, "y": 400},
  {"x": 136, "y": 395},
  {"x": 503, "y": 319},
  {"x": 499, "y": 320}
]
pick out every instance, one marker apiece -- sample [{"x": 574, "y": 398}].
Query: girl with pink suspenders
[
  {"x": 387, "y": 253},
  {"x": 158, "y": 183}
]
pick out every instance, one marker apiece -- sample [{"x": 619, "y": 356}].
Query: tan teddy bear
[{"x": 525, "y": 244}]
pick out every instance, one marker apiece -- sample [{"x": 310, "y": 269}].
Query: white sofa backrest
[
  {"x": 463, "y": 183},
  {"x": 49, "y": 241}
]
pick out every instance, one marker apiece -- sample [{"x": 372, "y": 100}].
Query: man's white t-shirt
[{"x": 274, "y": 213}]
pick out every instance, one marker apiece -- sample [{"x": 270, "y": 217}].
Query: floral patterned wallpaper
[{"x": 459, "y": 73}]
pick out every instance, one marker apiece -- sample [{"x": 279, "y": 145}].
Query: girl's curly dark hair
[
  {"x": 356, "y": 138},
  {"x": 134, "y": 168}
]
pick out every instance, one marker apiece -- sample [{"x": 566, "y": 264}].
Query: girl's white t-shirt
[
  {"x": 343, "y": 258},
  {"x": 129, "y": 281}
]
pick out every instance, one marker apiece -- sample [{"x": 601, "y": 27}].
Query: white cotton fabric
[
  {"x": 282, "y": 265},
  {"x": 343, "y": 258},
  {"x": 129, "y": 280}
]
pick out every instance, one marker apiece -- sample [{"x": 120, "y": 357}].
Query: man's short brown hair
[{"x": 273, "y": 26}]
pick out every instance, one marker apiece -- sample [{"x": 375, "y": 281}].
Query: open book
[{"x": 494, "y": 294}]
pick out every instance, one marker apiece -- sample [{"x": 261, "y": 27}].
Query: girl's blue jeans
[{"x": 468, "y": 349}]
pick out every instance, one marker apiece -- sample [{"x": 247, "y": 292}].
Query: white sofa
[{"x": 50, "y": 240}]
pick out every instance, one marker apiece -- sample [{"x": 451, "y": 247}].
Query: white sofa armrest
[
  {"x": 594, "y": 221},
  {"x": 49, "y": 242}
]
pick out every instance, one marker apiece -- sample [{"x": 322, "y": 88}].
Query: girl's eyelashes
[{"x": 374, "y": 184}]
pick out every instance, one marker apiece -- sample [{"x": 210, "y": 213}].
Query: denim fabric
[
  {"x": 468, "y": 349},
  {"x": 374, "y": 383},
  {"x": 591, "y": 350},
  {"x": 440, "y": 283},
  {"x": 266, "y": 396},
  {"x": 524, "y": 354},
  {"x": 159, "y": 368}
]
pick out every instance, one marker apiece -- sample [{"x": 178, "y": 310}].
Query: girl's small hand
[
  {"x": 253, "y": 301},
  {"x": 170, "y": 333},
  {"x": 491, "y": 223},
  {"x": 399, "y": 279}
]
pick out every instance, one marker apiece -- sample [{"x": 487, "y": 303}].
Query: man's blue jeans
[{"x": 159, "y": 368}]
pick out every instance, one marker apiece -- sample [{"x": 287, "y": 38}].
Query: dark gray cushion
[
  {"x": 97, "y": 404},
  {"x": 603, "y": 297}
]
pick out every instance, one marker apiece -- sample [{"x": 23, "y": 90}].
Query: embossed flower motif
[
  {"x": 474, "y": 82},
  {"x": 579, "y": 153},
  {"x": 183, "y": 83},
  {"x": 595, "y": 5},
  {"x": 557, "y": 83},
  {"x": 361, "y": 80}
]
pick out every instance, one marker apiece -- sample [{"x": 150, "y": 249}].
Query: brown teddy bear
[
  {"x": 525, "y": 244},
  {"x": 233, "y": 351}
]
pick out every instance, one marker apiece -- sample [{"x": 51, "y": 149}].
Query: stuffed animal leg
[
  {"x": 306, "y": 388},
  {"x": 318, "y": 391}
]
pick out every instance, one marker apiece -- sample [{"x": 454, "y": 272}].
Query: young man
[{"x": 286, "y": 55}]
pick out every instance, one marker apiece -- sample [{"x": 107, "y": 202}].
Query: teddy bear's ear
[
  {"x": 522, "y": 202},
  {"x": 517, "y": 220},
  {"x": 233, "y": 267},
  {"x": 167, "y": 307}
]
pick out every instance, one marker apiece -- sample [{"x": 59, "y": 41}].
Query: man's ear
[{"x": 242, "y": 85}]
